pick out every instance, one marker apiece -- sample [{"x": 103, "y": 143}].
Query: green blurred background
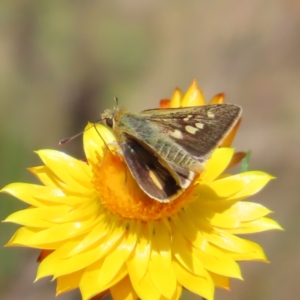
[{"x": 62, "y": 62}]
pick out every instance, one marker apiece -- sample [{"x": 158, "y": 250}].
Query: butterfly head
[{"x": 108, "y": 117}]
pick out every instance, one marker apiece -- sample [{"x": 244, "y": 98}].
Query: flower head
[{"x": 101, "y": 233}]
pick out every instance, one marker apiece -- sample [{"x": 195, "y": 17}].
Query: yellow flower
[{"x": 100, "y": 233}]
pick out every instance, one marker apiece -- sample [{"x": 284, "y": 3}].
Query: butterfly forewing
[{"x": 198, "y": 130}]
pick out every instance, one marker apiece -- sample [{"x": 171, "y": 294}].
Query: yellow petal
[
  {"x": 231, "y": 217},
  {"x": 90, "y": 286},
  {"x": 231, "y": 243},
  {"x": 262, "y": 224},
  {"x": 253, "y": 182},
  {"x": 137, "y": 263},
  {"x": 90, "y": 210},
  {"x": 97, "y": 233},
  {"x": 218, "y": 262},
  {"x": 177, "y": 293},
  {"x": 246, "y": 211},
  {"x": 182, "y": 250},
  {"x": 96, "y": 138},
  {"x": 202, "y": 286},
  {"x": 218, "y": 162},
  {"x": 235, "y": 187},
  {"x": 59, "y": 233},
  {"x": 57, "y": 197},
  {"x": 223, "y": 221},
  {"x": 68, "y": 282},
  {"x": 160, "y": 266},
  {"x": 116, "y": 259},
  {"x": 24, "y": 233},
  {"x": 61, "y": 262},
  {"x": 193, "y": 96},
  {"x": 53, "y": 262},
  {"x": 215, "y": 261},
  {"x": 70, "y": 171},
  {"x": 218, "y": 99},
  {"x": 27, "y": 192},
  {"x": 46, "y": 176},
  {"x": 220, "y": 281},
  {"x": 146, "y": 289},
  {"x": 164, "y": 280},
  {"x": 161, "y": 241},
  {"x": 110, "y": 265},
  {"x": 176, "y": 99},
  {"x": 184, "y": 224},
  {"x": 21, "y": 236},
  {"x": 38, "y": 217},
  {"x": 213, "y": 194},
  {"x": 42, "y": 196},
  {"x": 226, "y": 187},
  {"x": 123, "y": 290},
  {"x": 255, "y": 252},
  {"x": 176, "y": 296}
]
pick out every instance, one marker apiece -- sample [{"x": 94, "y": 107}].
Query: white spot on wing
[
  {"x": 187, "y": 118},
  {"x": 210, "y": 114},
  {"x": 199, "y": 125},
  {"x": 191, "y": 129},
  {"x": 177, "y": 134},
  {"x": 157, "y": 181}
]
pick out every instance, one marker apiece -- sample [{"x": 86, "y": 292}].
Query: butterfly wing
[
  {"x": 198, "y": 130},
  {"x": 153, "y": 176}
]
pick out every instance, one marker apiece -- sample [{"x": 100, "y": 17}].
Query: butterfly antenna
[
  {"x": 101, "y": 137},
  {"x": 67, "y": 140},
  {"x": 117, "y": 102}
]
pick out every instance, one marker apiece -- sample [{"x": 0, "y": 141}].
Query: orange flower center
[{"x": 119, "y": 192}]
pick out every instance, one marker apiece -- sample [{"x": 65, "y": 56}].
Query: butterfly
[{"x": 166, "y": 149}]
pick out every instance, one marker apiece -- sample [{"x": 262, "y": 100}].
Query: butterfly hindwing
[{"x": 153, "y": 177}]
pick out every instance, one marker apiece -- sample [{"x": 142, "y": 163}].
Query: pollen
[{"x": 118, "y": 191}]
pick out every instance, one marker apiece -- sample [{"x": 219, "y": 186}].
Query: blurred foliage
[{"x": 62, "y": 62}]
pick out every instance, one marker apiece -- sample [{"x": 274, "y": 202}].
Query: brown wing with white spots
[{"x": 198, "y": 130}]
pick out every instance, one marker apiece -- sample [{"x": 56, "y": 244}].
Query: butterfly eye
[{"x": 109, "y": 122}]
